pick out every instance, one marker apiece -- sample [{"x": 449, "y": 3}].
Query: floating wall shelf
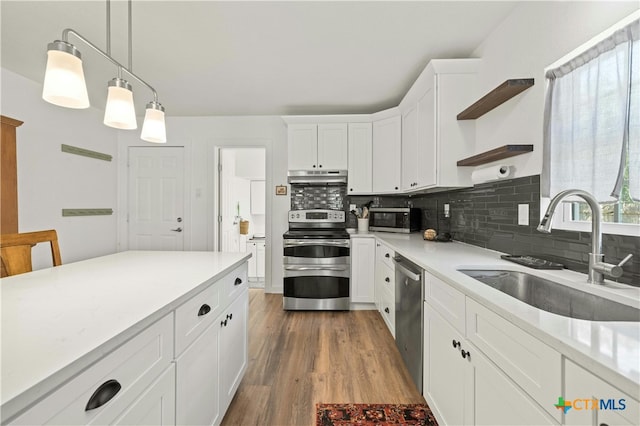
[
  {"x": 497, "y": 96},
  {"x": 495, "y": 154}
]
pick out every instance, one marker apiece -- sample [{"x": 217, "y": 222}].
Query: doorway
[
  {"x": 242, "y": 207},
  {"x": 156, "y": 198}
]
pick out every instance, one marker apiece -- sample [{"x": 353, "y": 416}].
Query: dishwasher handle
[{"x": 406, "y": 271}]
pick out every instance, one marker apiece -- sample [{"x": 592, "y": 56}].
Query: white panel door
[
  {"x": 410, "y": 162},
  {"x": 360, "y": 157},
  {"x": 387, "y": 148},
  {"x": 427, "y": 154},
  {"x": 302, "y": 146},
  {"x": 156, "y": 198},
  {"x": 332, "y": 146}
]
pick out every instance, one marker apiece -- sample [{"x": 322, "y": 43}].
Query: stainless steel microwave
[{"x": 398, "y": 219}]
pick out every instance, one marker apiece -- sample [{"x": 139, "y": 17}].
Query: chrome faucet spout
[{"x": 596, "y": 255}]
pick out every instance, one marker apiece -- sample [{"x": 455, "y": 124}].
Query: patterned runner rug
[{"x": 374, "y": 414}]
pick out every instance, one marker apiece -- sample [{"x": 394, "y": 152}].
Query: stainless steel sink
[{"x": 553, "y": 297}]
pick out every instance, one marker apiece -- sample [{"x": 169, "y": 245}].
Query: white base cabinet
[
  {"x": 363, "y": 254},
  {"x": 595, "y": 402},
  {"x": 199, "y": 368},
  {"x": 494, "y": 382},
  {"x": 182, "y": 369},
  {"x": 257, "y": 260},
  {"x": 156, "y": 406},
  {"x": 233, "y": 347},
  {"x": 385, "y": 287}
]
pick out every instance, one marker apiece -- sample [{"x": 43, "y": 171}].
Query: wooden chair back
[{"x": 15, "y": 251}]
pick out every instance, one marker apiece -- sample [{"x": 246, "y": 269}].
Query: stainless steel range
[{"x": 316, "y": 261}]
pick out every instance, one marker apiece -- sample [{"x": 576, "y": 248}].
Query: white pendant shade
[
  {"x": 120, "y": 112},
  {"x": 64, "y": 83},
  {"x": 153, "y": 128}
]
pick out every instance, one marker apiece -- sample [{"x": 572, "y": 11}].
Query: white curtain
[{"x": 592, "y": 120}]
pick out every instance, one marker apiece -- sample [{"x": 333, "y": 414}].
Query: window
[{"x": 592, "y": 130}]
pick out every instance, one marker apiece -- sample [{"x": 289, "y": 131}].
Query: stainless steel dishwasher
[{"x": 409, "y": 297}]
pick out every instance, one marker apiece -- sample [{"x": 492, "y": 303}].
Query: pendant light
[
  {"x": 64, "y": 83},
  {"x": 120, "y": 112},
  {"x": 153, "y": 128}
]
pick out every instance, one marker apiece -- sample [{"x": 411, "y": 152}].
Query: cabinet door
[
  {"x": 156, "y": 406},
  {"x": 362, "y": 270},
  {"x": 427, "y": 155},
  {"x": 387, "y": 147},
  {"x": 446, "y": 374},
  {"x": 260, "y": 259},
  {"x": 497, "y": 399},
  {"x": 360, "y": 156},
  {"x": 252, "y": 263},
  {"x": 332, "y": 146},
  {"x": 302, "y": 146},
  {"x": 614, "y": 407},
  {"x": 197, "y": 380},
  {"x": 409, "y": 149},
  {"x": 233, "y": 347}
]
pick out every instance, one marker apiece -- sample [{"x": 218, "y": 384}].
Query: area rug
[{"x": 374, "y": 414}]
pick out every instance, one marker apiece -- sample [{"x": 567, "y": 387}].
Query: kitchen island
[{"x": 60, "y": 324}]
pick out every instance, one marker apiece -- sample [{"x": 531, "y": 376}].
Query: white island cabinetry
[{"x": 142, "y": 342}]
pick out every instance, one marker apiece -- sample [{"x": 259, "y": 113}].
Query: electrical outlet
[
  {"x": 446, "y": 210},
  {"x": 523, "y": 214},
  {"x": 352, "y": 207}
]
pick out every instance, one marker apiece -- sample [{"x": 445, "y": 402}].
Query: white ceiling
[{"x": 255, "y": 58}]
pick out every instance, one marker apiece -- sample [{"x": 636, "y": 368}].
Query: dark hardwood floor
[{"x": 298, "y": 359}]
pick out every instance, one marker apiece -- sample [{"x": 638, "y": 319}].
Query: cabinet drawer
[
  {"x": 387, "y": 280},
  {"x": 388, "y": 311},
  {"x": 195, "y": 315},
  {"x": 134, "y": 366},
  {"x": 536, "y": 367},
  {"x": 385, "y": 255},
  {"x": 234, "y": 283},
  {"x": 448, "y": 301}
]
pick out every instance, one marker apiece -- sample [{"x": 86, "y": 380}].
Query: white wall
[
  {"x": 532, "y": 37},
  {"x": 201, "y": 136},
  {"x": 50, "y": 180}
]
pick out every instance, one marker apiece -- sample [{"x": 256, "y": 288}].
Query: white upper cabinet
[
  {"x": 360, "y": 158},
  {"x": 409, "y": 148},
  {"x": 332, "y": 146},
  {"x": 387, "y": 147},
  {"x": 303, "y": 146},
  {"x": 317, "y": 146},
  {"x": 433, "y": 140}
]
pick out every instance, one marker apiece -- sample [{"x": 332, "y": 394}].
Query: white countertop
[
  {"x": 610, "y": 350},
  {"x": 58, "y": 321}
]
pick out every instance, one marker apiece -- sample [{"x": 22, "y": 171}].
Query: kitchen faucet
[{"x": 597, "y": 267}]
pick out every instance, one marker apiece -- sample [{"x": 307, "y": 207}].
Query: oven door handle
[
  {"x": 316, "y": 243},
  {"x": 316, "y": 268}
]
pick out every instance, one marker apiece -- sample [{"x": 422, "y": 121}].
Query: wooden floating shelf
[
  {"x": 495, "y": 154},
  {"x": 497, "y": 96}
]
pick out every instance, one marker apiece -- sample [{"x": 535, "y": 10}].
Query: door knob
[{"x": 177, "y": 230}]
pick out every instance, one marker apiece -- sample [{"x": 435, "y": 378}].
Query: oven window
[
  {"x": 316, "y": 287},
  {"x": 316, "y": 251}
]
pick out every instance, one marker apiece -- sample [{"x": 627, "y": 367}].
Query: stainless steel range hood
[{"x": 317, "y": 177}]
